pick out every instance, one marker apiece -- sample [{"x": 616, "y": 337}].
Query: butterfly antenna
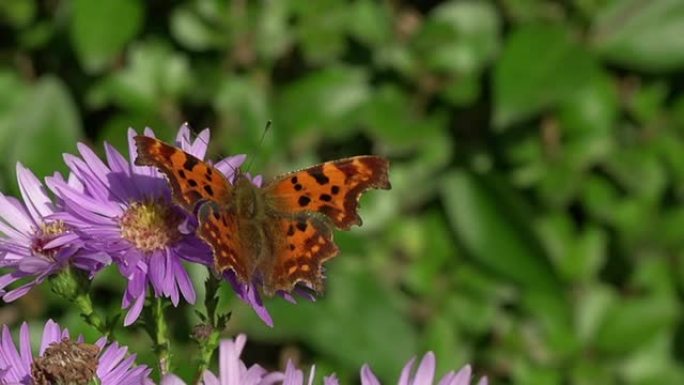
[{"x": 261, "y": 142}]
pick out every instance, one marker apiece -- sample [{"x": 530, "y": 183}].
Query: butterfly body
[{"x": 279, "y": 234}]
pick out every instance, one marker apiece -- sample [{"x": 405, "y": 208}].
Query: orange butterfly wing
[
  {"x": 219, "y": 227},
  {"x": 191, "y": 179},
  {"x": 300, "y": 246},
  {"x": 297, "y": 231},
  {"x": 331, "y": 188},
  {"x": 309, "y": 202}
]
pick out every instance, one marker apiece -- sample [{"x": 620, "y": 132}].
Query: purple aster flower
[
  {"x": 128, "y": 211},
  {"x": 66, "y": 361},
  {"x": 233, "y": 371},
  {"x": 424, "y": 375},
  {"x": 35, "y": 245}
]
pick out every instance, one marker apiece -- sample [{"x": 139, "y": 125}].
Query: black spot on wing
[
  {"x": 317, "y": 173},
  {"x": 208, "y": 190},
  {"x": 304, "y": 200},
  {"x": 190, "y": 162},
  {"x": 301, "y": 226},
  {"x": 326, "y": 197}
]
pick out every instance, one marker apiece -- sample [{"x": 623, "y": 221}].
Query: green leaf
[
  {"x": 243, "y": 105},
  {"x": 46, "y": 126},
  {"x": 321, "y": 28},
  {"x": 642, "y": 35},
  {"x": 154, "y": 77},
  {"x": 273, "y": 35},
  {"x": 191, "y": 30},
  {"x": 428, "y": 235},
  {"x": 532, "y": 73},
  {"x": 101, "y": 29},
  {"x": 459, "y": 36},
  {"x": 18, "y": 13},
  {"x": 371, "y": 22},
  {"x": 390, "y": 116},
  {"x": 495, "y": 235},
  {"x": 576, "y": 256},
  {"x": 619, "y": 332},
  {"x": 327, "y": 99}
]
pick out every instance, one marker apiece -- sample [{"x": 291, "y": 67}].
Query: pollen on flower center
[
  {"x": 150, "y": 225},
  {"x": 46, "y": 233},
  {"x": 66, "y": 362}
]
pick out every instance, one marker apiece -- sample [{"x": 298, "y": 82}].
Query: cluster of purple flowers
[
  {"x": 110, "y": 212},
  {"x": 62, "y": 360}
]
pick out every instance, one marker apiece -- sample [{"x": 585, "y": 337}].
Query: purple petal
[
  {"x": 157, "y": 272},
  {"x": 406, "y": 372},
  {"x": 292, "y": 375},
  {"x": 87, "y": 203},
  {"x": 17, "y": 367},
  {"x": 32, "y": 265},
  {"x": 51, "y": 333},
  {"x": 97, "y": 166},
  {"x": 36, "y": 199},
  {"x": 15, "y": 217},
  {"x": 229, "y": 365},
  {"x": 426, "y": 370},
  {"x": 257, "y": 180},
  {"x": 183, "y": 135},
  {"x": 93, "y": 185},
  {"x": 199, "y": 147},
  {"x": 18, "y": 292},
  {"x": 367, "y": 376},
  {"x": 184, "y": 282},
  {"x": 312, "y": 374},
  {"x": 61, "y": 240},
  {"x": 210, "y": 379},
  {"x": 117, "y": 162},
  {"x": 230, "y": 165},
  {"x": 250, "y": 295},
  {"x": 134, "y": 311},
  {"x": 171, "y": 379},
  {"x": 463, "y": 376}
]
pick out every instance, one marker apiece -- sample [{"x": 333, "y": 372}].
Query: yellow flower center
[
  {"x": 46, "y": 233},
  {"x": 150, "y": 225}
]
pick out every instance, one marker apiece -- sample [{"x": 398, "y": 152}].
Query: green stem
[
  {"x": 207, "y": 348},
  {"x": 208, "y": 333},
  {"x": 85, "y": 304},
  {"x": 74, "y": 286},
  {"x": 162, "y": 344}
]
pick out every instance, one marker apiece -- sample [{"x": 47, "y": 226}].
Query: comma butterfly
[{"x": 281, "y": 232}]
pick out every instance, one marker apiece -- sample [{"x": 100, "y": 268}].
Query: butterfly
[{"x": 280, "y": 233}]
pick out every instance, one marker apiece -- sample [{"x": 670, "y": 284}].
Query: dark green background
[{"x": 535, "y": 225}]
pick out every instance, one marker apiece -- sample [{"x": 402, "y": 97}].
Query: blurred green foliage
[{"x": 535, "y": 225}]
